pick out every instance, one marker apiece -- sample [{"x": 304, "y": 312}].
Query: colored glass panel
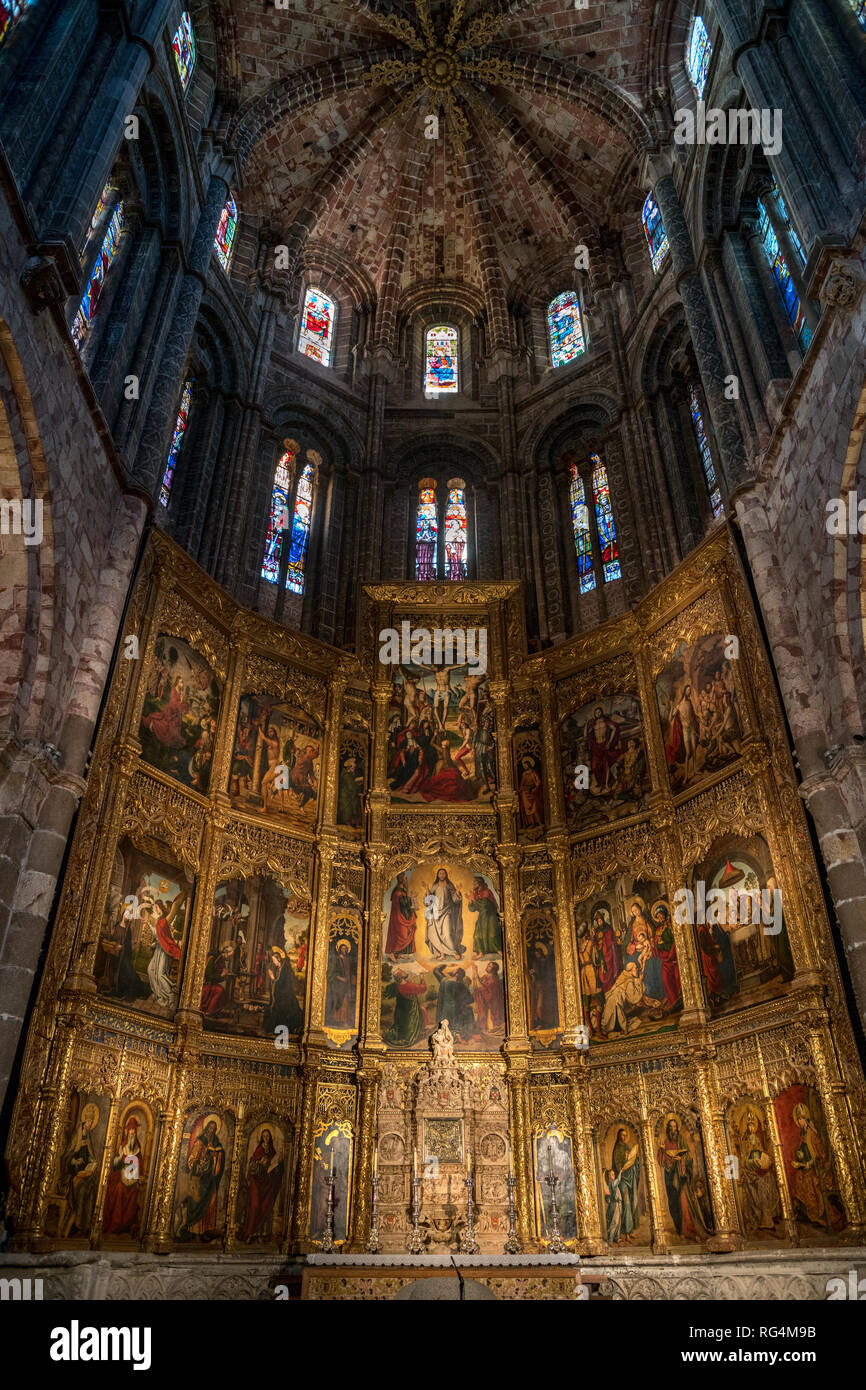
[
  {"x": 782, "y": 276},
  {"x": 225, "y": 237},
  {"x": 183, "y": 46},
  {"x": 654, "y": 228},
  {"x": 300, "y": 531},
  {"x": 426, "y": 534},
  {"x": 317, "y": 327},
  {"x": 582, "y": 533},
  {"x": 859, "y": 8},
  {"x": 699, "y": 53},
  {"x": 565, "y": 327},
  {"x": 176, "y": 441},
  {"x": 107, "y": 252},
  {"x": 604, "y": 521},
  {"x": 10, "y": 10},
  {"x": 455, "y": 534},
  {"x": 279, "y": 504},
  {"x": 441, "y": 359},
  {"x": 706, "y": 455},
  {"x": 786, "y": 218}
]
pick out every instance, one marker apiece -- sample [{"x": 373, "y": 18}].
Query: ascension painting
[
  {"x": 623, "y": 1186},
  {"x": 699, "y": 710},
  {"x": 604, "y": 762},
  {"x": 687, "y": 1213},
  {"x": 203, "y": 1177},
  {"x": 542, "y": 994},
  {"x": 256, "y": 969},
  {"x": 740, "y": 924},
  {"x": 332, "y": 1159},
  {"x": 442, "y": 958},
  {"x": 553, "y": 1159},
  {"x": 629, "y": 973},
  {"x": 529, "y": 782},
  {"x": 179, "y": 717},
  {"x": 441, "y": 742},
  {"x": 144, "y": 929},
  {"x": 352, "y": 782},
  {"x": 275, "y": 761},
  {"x": 261, "y": 1191},
  {"x": 809, "y": 1166},
  {"x": 128, "y": 1173},
  {"x": 79, "y": 1164},
  {"x": 754, "y": 1175}
]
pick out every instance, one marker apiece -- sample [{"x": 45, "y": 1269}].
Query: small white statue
[{"x": 442, "y": 1043}]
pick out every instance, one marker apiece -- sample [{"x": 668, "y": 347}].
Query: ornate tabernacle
[{"x": 586, "y": 959}]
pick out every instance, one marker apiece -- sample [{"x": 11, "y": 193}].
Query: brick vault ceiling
[{"x": 541, "y": 124}]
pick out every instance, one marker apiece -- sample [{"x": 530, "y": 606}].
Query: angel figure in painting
[{"x": 442, "y": 1043}]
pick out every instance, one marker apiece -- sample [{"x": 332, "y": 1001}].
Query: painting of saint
[
  {"x": 621, "y": 1186},
  {"x": 261, "y": 1185},
  {"x": 442, "y": 957},
  {"x": 202, "y": 1183},
  {"x": 529, "y": 782},
  {"x": 604, "y": 762},
  {"x": 127, "y": 1175},
  {"x": 755, "y": 1181},
  {"x": 179, "y": 716},
  {"x": 332, "y": 1158},
  {"x": 350, "y": 792},
  {"x": 699, "y": 710},
  {"x": 441, "y": 748},
  {"x": 144, "y": 931},
  {"x": 256, "y": 967},
  {"x": 80, "y": 1163},
  {"x": 553, "y": 1156},
  {"x": 629, "y": 974},
  {"x": 541, "y": 985},
  {"x": 341, "y": 984},
  {"x": 687, "y": 1212},
  {"x": 808, "y": 1161},
  {"x": 743, "y": 942},
  {"x": 275, "y": 762}
]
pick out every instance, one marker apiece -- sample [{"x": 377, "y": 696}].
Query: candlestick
[
  {"x": 468, "y": 1244},
  {"x": 415, "y": 1244},
  {"x": 556, "y": 1244},
  {"x": 328, "y": 1245},
  {"x": 374, "y": 1245},
  {"x": 512, "y": 1241}
]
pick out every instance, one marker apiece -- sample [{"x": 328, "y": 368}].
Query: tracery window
[
  {"x": 176, "y": 441},
  {"x": 654, "y": 230},
  {"x": 698, "y": 55},
  {"x": 10, "y": 11},
  {"x": 317, "y": 327},
  {"x": 781, "y": 273},
  {"x": 426, "y": 531},
  {"x": 225, "y": 235},
  {"x": 706, "y": 456},
  {"x": 301, "y": 519},
  {"x": 441, "y": 365},
  {"x": 183, "y": 46},
  {"x": 104, "y": 260},
  {"x": 581, "y": 531},
  {"x": 565, "y": 328},
  {"x": 455, "y": 530},
  {"x": 604, "y": 520}
]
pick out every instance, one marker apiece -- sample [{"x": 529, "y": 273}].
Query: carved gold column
[
  {"x": 552, "y": 768},
  {"x": 334, "y": 725},
  {"x": 521, "y": 1148},
  {"x": 217, "y": 820},
  {"x": 506, "y": 798},
  {"x": 657, "y": 1229},
  {"x": 843, "y": 1145},
  {"x": 768, "y": 1110},
  {"x": 371, "y": 966},
  {"x": 365, "y": 1146},
  {"x": 326, "y": 851},
  {"x": 574, "y": 1031},
  {"x": 48, "y": 1129},
  {"x": 158, "y": 1235},
  {"x": 727, "y": 1235},
  {"x": 517, "y": 1039},
  {"x": 591, "y": 1240},
  {"x": 234, "y": 1182},
  {"x": 299, "y": 1237}
]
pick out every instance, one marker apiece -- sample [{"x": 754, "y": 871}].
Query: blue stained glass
[
  {"x": 706, "y": 455},
  {"x": 107, "y": 252},
  {"x": 10, "y": 10},
  {"x": 279, "y": 503},
  {"x": 183, "y": 46},
  {"x": 782, "y": 275},
  {"x": 225, "y": 236},
  {"x": 426, "y": 533},
  {"x": 565, "y": 328},
  {"x": 317, "y": 327},
  {"x": 441, "y": 359},
  {"x": 699, "y": 53},
  {"x": 582, "y": 534},
  {"x": 654, "y": 227},
  {"x": 786, "y": 217},
  {"x": 455, "y": 533},
  {"x": 605, "y": 522},
  {"x": 300, "y": 531},
  {"x": 176, "y": 441},
  {"x": 859, "y": 8}
]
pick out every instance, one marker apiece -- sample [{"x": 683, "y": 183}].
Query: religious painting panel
[
  {"x": 144, "y": 932},
  {"x": 542, "y": 987},
  {"x": 809, "y": 1165},
  {"x": 529, "y": 782},
  {"x": 203, "y": 1178},
  {"x": 275, "y": 760},
  {"x": 623, "y": 1186},
  {"x": 604, "y": 761},
  {"x": 256, "y": 970},
  {"x": 441, "y": 741},
  {"x": 442, "y": 958},
  {"x": 179, "y": 716},
  {"x": 750, "y": 1145},
  {"x": 555, "y": 1200},
  {"x": 739, "y": 918},
  {"x": 686, "y": 1210},
  {"x": 128, "y": 1173},
  {"x": 72, "y": 1205},
  {"x": 262, "y": 1191},
  {"x": 332, "y": 1169},
  {"x": 699, "y": 710},
  {"x": 629, "y": 974},
  {"x": 341, "y": 984},
  {"x": 352, "y": 782}
]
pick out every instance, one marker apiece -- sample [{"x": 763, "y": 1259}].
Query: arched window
[
  {"x": 455, "y": 530},
  {"x": 317, "y": 327},
  {"x": 441, "y": 367},
  {"x": 301, "y": 517},
  {"x": 565, "y": 328},
  {"x": 426, "y": 531},
  {"x": 698, "y": 55},
  {"x": 225, "y": 237},
  {"x": 278, "y": 517},
  {"x": 582, "y": 534},
  {"x": 300, "y": 530},
  {"x": 176, "y": 441},
  {"x": 10, "y": 10},
  {"x": 779, "y": 266},
  {"x": 183, "y": 46},
  {"x": 604, "y": 521},
  {"x": 706, "y": 456},
  {"x": 654, "y": 228},
  {"x": 859, "y": 8},
  {"x": 107, "y": 252}
]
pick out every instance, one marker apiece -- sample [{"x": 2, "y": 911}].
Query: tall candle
[
  {"x": 549, "y": 1160},
  {"x": 332, "y": 1162},
  {"x": 375, "y": 1163},
  {"x": 415, "y": 1160}
]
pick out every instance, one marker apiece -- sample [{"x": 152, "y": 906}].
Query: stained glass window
[
  {"x": 859, "y": 8},
  {"x": 10, "y": 10},
  {"x": 107, "y": 252},
  {"x": 300, "y": 531},
  {"x": 225, "y": 237},
  {"x": 654, "y": 227},
  {"x": 183, "y": 45},
  {"x": 277, "y": 518},
  {"x": 455, "y": 531},
  {"x": 706, "y": 456},
  {"x": 317, "y": 327},
  {"x": 779, "y": 266},
  {"x": 176, "y": 441},
  {"x": 582, "y": 534},
  {"x": 441, "y": 359},
  {"x": 565, "y": 328},
  {"x": 426, "y": 531},
  {"x": 699, "y": 53},
  {"x": 604, "y": 521},
  {"x": 786, "y": 218}
]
